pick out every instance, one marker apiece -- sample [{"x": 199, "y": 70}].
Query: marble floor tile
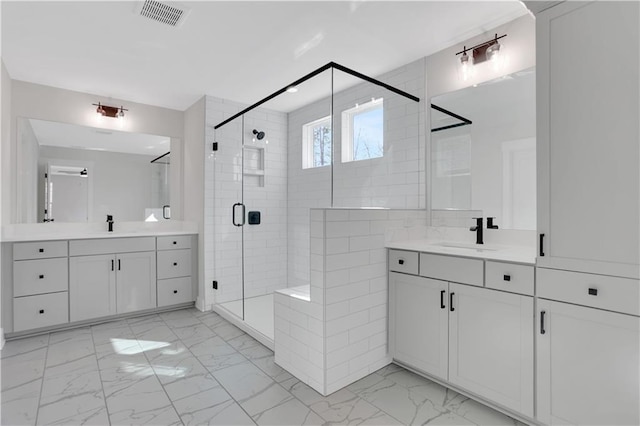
[
  {"x": 140, "y": 402},
  {"x": 20, "y": 403},
  {"x": 243, "y": 341},
  {"x": 227, "y": 331},
  {"x": 23, "y": 346},
  {"x": 81, "y": 408},
  {"x": 24, "y": 368},
  {"x": 344, "y": 406},
  {"x": 189, "y": 367},
  {"x": 211, "y": 407},
  {"x": 289, "y": 412}
]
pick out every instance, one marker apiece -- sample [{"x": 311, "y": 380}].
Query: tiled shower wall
[
  {"x": 340, "y": 335},
  {"x": 395, "y": 181},
  {"x": 265, "y": 244}
]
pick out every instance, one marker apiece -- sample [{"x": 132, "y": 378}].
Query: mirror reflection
[
  {"x": 71, "y": 173},
  {"x": 483, "y": 153}
]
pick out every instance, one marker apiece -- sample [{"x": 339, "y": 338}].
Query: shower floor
[{"x": 258, "y": 313}]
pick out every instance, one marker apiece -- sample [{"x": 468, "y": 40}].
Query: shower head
[{"x": 259, "y": 135}]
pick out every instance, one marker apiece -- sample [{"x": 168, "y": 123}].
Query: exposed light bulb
[{"x": 466, "y": 66}]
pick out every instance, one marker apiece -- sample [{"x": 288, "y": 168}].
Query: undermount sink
[{"x": 477, "y": 247}]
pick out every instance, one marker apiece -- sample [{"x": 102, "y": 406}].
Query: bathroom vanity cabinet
[
  {"x": 47, "y": 284},
  {"x": 451, "y": 321}
]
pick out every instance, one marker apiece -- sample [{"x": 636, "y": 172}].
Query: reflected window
[
  {"x": 363, "y": 131},
  {"x": 316, "y": 143}
]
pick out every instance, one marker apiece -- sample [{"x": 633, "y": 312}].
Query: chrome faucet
[
  {"x": 110, "y": 222},
  {"x": 478, "y": 230}
]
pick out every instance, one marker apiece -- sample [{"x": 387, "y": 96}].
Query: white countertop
[
  {"x": 53, "y": 232},
  {"x": 505, "y": 253}
]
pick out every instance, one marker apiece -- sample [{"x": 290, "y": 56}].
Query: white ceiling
[
  {"x": 237, "y": 50},
  {"x": 63, "y": 135}
]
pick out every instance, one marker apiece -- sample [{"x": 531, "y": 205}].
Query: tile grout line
[
  {"x": 104, "y": 395},
  {"x": 44, "y": 369}
]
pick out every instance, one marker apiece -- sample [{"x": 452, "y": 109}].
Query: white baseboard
[{"x": 200, "y": 304}]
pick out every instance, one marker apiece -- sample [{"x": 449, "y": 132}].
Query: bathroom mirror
[
  {"x": 483, "y": 153},
  {"x": 69, "y": 173}
]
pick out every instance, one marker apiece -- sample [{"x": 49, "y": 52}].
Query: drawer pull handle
[
  {"x": 175, "y": 263},
  {"x": 175, "y": 242},
  {"x": 541, "y": 245},
  {"x": 175, "y": 291},
  {"x": 112, "y": 268},
  {"x": 41, "y": 277},
  {"x": 442, "y": 292},
  {"x": 542, "y": 330},
  {"x": 401, "y": 261},
  {"x": 507, "y": 277},
  {"x": 41, "y": 311},
  {"x": 40, "y": 250},
  {"x": 593, "y": 291},
  {"x": 118, "y": 264},
  {"x": 451, "y": 308}
]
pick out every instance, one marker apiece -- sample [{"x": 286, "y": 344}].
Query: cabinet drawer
[
  {"x": 175, "y": 291},
  {"x": 451, "y": 268},
  {"x": 509, "y": 277},
  {"x": 175, "y": 242},
  {"x": 174, "y": 263},
  {"x": 44, "y": 310},
  {"x": 111, "y": 245},
  {"x": 598, "y": 291},
  {"x": 39, "y": 250},
  {"x": 40, "y": 276},
  {"x": 403, "y": 261}
]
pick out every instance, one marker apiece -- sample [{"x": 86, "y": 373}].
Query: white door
[
  {"x": 491, "y": 345},
  {"x": 587, "y": 365},
  {"x": 136, "y": 281},
  {"x": 92, "y": 287},
  {"x": 419, "y": 322},
  {"x": 588, "y": 151}
]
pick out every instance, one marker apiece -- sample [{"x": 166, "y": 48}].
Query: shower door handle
[{"x": 233, "y": 214}]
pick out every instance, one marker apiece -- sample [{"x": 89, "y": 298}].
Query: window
[
  {"x": 316, "y": 143},
  {"x": 363, "y": 131}
]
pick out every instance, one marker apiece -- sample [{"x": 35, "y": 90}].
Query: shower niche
[{"x": 334, "y": 138}]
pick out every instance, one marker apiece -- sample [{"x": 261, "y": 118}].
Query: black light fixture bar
[
  {"x": 162, "y": 156},
  {"x": 464, "y": 121},
  {"x": 486, "y": 43},
  {"x": 313, "y": 74}
]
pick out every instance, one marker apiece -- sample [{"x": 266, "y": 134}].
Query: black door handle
[
  {"x": 442, "y": 292},
  {"x": 542, "y": 330},
  {"x": 233, "y": 214},
  {"x": 541, "y": 245},
  {"x": 451, "y": 308}
]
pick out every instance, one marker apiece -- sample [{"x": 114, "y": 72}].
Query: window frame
[
  {"x": 347, "y": 128},
  {"x": 307, "y": 142}
]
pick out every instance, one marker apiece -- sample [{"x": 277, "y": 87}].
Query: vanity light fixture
[
  {"x": 487, "y": 51},
  {"x": 110, "y": 111}
]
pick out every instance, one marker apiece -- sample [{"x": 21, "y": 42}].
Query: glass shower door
[{"x": 229, "y": 217}]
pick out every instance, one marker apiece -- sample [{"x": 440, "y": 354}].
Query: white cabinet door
[
  {"x": 587, "y": 366},
  {"x": 419, "y": 322},
  {"x": 92, "y": 287},
  {"x": 491, "y": 345},
  {"x": 587, "y": 128},
  {"x": 136, "y": 281}
]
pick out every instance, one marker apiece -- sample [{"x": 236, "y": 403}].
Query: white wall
[
  {"x": 121, "y": 182},
  {"x": 49, "y": 103},
  {"x": 193, "y": 178},
  {"x": 5, "y": 137}
]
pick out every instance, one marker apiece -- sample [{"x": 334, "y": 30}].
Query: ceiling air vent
[{"x": 162, "y": 12}]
